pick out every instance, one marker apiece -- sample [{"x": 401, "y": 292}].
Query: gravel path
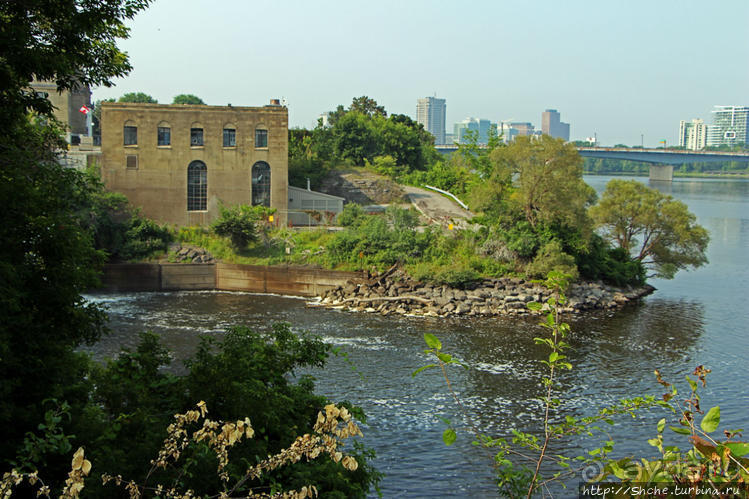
[{"x": 437, "y": 207}]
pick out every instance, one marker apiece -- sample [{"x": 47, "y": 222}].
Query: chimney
[{"x": 308, "y": 188}]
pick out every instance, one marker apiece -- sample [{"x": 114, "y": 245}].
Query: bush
[
  {"x": 240, "y": 224},
  {"x": 351, "y": 215},
  {"x": 552, "y": 258},
  {"x": 612, "y": 265},
  {"x": 144, "y": 238},
  {"x": 522, "y": 239},
  {"x": 379, "y": 241},
  {"x": 456, "y": 277}
]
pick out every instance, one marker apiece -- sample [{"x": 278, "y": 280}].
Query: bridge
[{"x": 662, "y": 161}]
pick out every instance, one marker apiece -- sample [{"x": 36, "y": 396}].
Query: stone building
[
  {"x": 179, "y": 163},
  {"x": 67, "y": 105}
]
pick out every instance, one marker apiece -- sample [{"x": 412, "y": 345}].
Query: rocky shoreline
[{"x": 398, "y": 294}]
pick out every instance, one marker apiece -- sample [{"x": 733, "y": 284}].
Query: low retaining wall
[{"x": 289, "y": 280}]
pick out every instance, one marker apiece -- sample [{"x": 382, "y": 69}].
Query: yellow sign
[
  {"x": 270, "y": 218},
  {"x": 450, "y": 227}
]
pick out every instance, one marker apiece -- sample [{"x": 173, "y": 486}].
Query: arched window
[
  {"x": 197, "y": 186},
  {"x": 261, "y": 184}
]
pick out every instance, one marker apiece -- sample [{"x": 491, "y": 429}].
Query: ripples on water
[{"x": 698, "y": 318}]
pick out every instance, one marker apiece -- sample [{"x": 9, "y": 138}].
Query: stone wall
[{"x": 506, "y": 296}]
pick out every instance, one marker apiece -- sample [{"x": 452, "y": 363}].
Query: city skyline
[{"x": 614, "y": 72}]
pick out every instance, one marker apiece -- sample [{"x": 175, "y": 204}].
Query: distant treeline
[{"x": 596, "y": 166}]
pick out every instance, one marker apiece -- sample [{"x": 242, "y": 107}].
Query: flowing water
[{"x": 700, "y": 317}]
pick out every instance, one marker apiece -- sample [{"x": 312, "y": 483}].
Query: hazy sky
[{"x": 616, "y": 68}]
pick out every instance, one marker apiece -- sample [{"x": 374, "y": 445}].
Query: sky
[{"x": 626, "y": 71}]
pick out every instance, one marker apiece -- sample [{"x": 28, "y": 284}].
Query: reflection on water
[{"x": 698, "y": 318}]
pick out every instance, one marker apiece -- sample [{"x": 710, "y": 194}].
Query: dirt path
[{"x": 437, "y": 207}]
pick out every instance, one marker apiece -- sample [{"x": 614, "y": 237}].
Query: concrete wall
[
  {"x": 662, "y": 172},
  {"x": 131, "y": 277},
  {"x": 298, "y": 281},
  {"x": 176, "y": 276},
  {"x": 288, "y": 280}
]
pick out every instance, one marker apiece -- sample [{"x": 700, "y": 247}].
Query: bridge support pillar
[{"x": 663, "y": 173}]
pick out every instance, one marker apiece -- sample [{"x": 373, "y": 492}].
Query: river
[{"x": 700, "y": 317}]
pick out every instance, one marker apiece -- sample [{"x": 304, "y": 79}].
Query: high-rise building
[
  {"x": 461, "y": 129},
  {"x": 730, "y": 126},
  {"x": 523, "y": 128},
  {"x": 551, "y": 125},
  {"x": 693, "y": 135},
  {"x": 480, "y": 127},
  {"x": 430, "y": 112},
  {"x": 507, "y": 132}
]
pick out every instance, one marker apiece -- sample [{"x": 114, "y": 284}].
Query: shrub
[
  {"x": 522, "y": 239},
  {"x": 552, "y": 258},
  {"x": 456, "y": 277},
  {"x": 239, "y": 223},
  {"x": 612, "y": 265},
  {"x": 351, "y": 215},
  {"x": 144, "y": 238}
]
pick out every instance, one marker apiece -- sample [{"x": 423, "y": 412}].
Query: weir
[{"x": 281, "y": 279}]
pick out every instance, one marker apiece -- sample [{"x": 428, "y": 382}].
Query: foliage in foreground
[
  {"x": 522, "y": 460},
  {"x": 124, "y": 410},
  {"x": 187, "y": 437}
]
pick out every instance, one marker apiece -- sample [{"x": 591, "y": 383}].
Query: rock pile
[
  {"x": 505, "y": 296},
  {"x": 190, "y": 254}
]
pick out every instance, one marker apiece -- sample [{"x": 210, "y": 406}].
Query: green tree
[
  {"x": 71, "y": 43},
  {"x": 138, "y": 97},
  {"x": 368, "y": 106},
  {"x": 188, "y": 99},
  {"x": 355, "y": 138},
  {"x": 653, "y": 227},
  {"x": 47, "y": 258},
  {"x": 549, "y": 180}
]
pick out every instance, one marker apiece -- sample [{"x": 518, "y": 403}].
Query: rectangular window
[
  {"x": 131, "y": 135},
  {"x": 131, "y": 161},
  {"x": 261, "y": 138},
  {"x": 165, "y": 136},
  {"x": 196, "y": 136},
  {"x": 230, "y": 137}
]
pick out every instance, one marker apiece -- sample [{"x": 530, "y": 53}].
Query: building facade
[
  {"x": 524, "y": 128},
  {"x": 179, "y": 163},
  {"x": 480, "y": 127},
  {"x": 730, "y": 126},
  {"x": 431, "y": 112},
  {"x": 67, "y": 105},
  {"x": 551, "y": 125},
  {"x": 693, "y": 135}
]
